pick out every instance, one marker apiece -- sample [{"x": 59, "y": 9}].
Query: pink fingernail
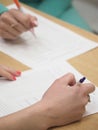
[
  {"x": 18, "y": 72},
  {"x": 14, "y": 78}
]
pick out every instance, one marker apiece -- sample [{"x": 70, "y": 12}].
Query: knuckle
[
  {"x": 4, "y": 16},
  {"x": 58, "y": 81},
  {"x": 71, "y": 75},
  {"x": 26, "y": 19}
]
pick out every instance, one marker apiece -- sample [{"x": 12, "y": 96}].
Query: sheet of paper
[
  {"x": 7, "y": 107},
  {"x": 30, "y": 87},
  {"x": 52, "y": 42}
]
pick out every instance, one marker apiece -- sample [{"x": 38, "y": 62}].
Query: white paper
[
  {"x": 7, "y": 107},
  {"x": 52, "y": 42},
  {"x": 29, "y": 88}
]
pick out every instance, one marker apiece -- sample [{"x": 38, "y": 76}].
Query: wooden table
[{"x": 86, "y": 63}]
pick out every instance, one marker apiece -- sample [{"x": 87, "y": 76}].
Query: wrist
[
  {"x": 46, "y": 115},
  {"x": 39, "y": 116}
]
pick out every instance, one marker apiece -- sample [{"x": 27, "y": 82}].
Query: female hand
[
  {"x": 65, "y": 100},
  {"x": 8, "y": 72},
  {"x": 14, "y": 22}
]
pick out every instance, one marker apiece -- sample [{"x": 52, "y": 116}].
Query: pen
[
  {"x": 17, "y": 4},
  {"x": 20, "y": 8},
  {"x": 81, "y": 81}
]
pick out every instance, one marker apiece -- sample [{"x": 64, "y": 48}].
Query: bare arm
[{"x": 63, "y": 103}]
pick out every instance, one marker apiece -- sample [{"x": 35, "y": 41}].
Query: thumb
[{"x": 87, "y": 88}]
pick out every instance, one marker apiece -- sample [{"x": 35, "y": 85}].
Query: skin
[
  {"x": 63, "y": 103},
  {"x": 9, "y": 73},
  {"x": 14, "y": 22}
]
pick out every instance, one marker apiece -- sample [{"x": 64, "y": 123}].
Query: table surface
[{"x": 86, "y": 63}]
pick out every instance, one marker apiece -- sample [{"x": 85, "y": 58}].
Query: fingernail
[
  {"x": 14, "y": 78},
  {"x": 18, "y": 73}
]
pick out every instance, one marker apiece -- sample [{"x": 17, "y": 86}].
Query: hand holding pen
[
  {"x": 68, "y": 98},
  {"x": 34, "y": 22},
  {"x": 14, "y": 22}
]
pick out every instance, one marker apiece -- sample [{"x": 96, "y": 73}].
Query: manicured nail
[
  {"x": 18, "y": 73},
  {"x": 14, "y": 78}
]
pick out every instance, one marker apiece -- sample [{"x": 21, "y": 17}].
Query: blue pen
[{"x": 81, "y": 81}]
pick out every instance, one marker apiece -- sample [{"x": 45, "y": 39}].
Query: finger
[
  {"x": 11, "y": 70},
  {"x": 5, "y": 27},
  {"x": 68, "y": 79},
  {"x": 22, "y": 18},
  {"x": 9, "y": 20},
  {"x": 7, "y": 74},
  {"x": 6, "y": 35},
  {"x": 87, "y": 88}
]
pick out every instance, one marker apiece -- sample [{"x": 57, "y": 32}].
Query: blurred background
[
  {"x": 80, "y": 13},
  {"x": 88, "y": 9}
]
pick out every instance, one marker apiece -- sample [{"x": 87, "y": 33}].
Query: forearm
[
  {"x": 32, "y": 118},
  {"x": 63, "y": 103}
]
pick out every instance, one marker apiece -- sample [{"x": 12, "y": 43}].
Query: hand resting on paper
[
  {"x": 14, "y": 22},
  {"x": 8, "y": 72},
  {"x": 63, "y": 103}
]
